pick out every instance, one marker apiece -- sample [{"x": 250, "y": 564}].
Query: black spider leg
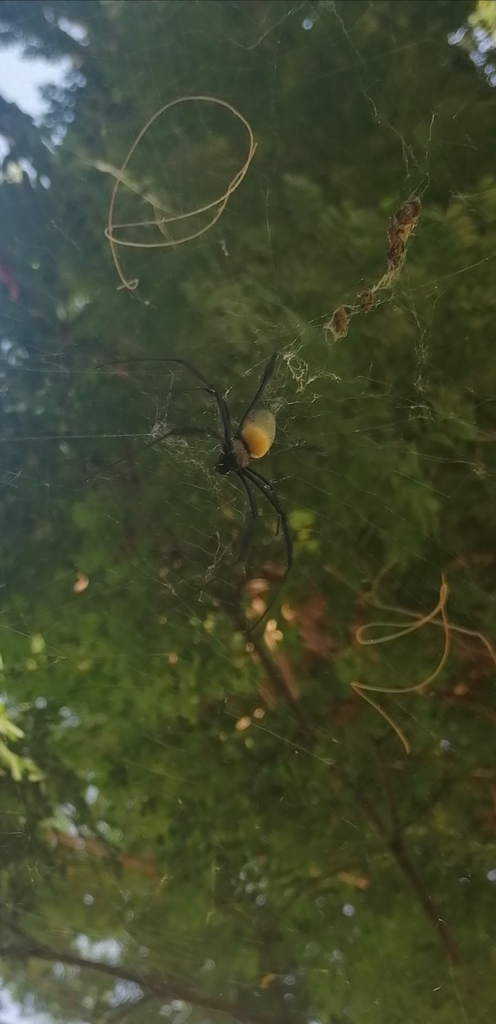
[
  {"x": 215, "y": 393},
  {"x": 264, "y": 380},
  {"x": 267, "y": 490},
  {"x": 247, "y": 532},
  {"x": 248, "y": 529},
  {"x": 251, "y": 519},
  {"x": 270, "y": 487},
  {"x": 174, "y": 432},
  {"x": 208, "y": 387}
]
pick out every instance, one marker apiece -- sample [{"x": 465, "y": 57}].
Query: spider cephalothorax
[{"x": 233, "y": 457}]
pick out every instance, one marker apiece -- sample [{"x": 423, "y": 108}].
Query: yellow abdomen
[{"x": 258, "y": 432}]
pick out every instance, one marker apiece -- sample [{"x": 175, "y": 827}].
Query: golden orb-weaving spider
[{"x": 251, "y": 439}]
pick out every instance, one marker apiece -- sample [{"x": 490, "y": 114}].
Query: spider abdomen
[{"x": 258, "y": 432}]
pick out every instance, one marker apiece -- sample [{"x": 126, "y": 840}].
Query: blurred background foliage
[{"x": 212, "y": 813}]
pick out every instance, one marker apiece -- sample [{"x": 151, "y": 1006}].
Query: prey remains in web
[
  {"x": 401, "y": 226},
  {"x": 249, "y": 441}
]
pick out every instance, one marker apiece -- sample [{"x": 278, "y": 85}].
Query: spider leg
[
  {"x": 264, "y": 380},
  {"x": 214, "y": 392},
  {"x": 175, "y": 432},
  {"x": 208, "y": 387},
  {"x": 124, "y": 458},
  {"x": 247, "y": 532},
  {"x": 266, "y": 483},
  {"x": 267, "y": 489},
  {"x": 253, "y": 516},
  {"x": 263, "y": 480},
  {"x": 190, "y": 431}
]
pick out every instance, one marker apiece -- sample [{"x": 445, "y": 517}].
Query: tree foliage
[{"x": 204, "y": 817}]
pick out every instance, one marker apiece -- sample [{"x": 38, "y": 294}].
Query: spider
[{"x": 251, "y": 439}]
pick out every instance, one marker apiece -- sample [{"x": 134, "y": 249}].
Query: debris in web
[
  {"x": 400, "y": 629},
  {"x": 401, "y": 226},
  {"x": 437, "y": 617},
  {"x": 163, "y": 217}
]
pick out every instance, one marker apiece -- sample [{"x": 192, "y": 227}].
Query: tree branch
[
  {"x": 393, "y": 840},
  {"x": 273, "y": 671},
  {"x": 152, "y": 985},
  {"x": 396, "y": 847}
]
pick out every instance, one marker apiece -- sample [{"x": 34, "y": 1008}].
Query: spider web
[{"x": 382, "y": 459}]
